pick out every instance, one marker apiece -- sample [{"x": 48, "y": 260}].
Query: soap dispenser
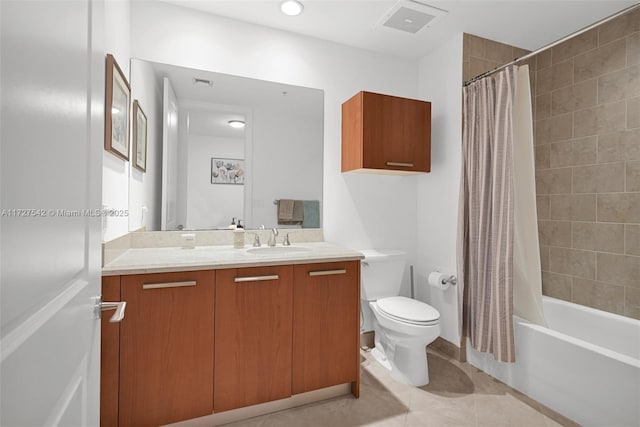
[{"x": 238, "y": 235}]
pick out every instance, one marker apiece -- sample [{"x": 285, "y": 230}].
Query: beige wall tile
[
  {"x": 620, "y": 269},
  {"x": 555, "y": 77},
  {"x": 542, "y": 156},
  {"x": 633, "y": 49},
  {"x": 466, "y": 71},
  {"x": 574, "y": 46},
  {"x": 542, "y": 206},
  {"x": 561, "y": 127},
  {"x": 633, "y": 113},
  {"x": 632, "y": 302},
  {"x": 553, "y": 181},
  {"x": 498, "y": 52},
  {"x": 603, "y": 296},
  {"x": 619, "y": 85},
  {"x": 632, "y": 144},
  {"x": 544, "y": 258},
  {"x": 596, "y": 62},
  {"x": 478, "y": 66},
  {"x": 619, "y": 207},
  {"x": 574, "y": 97},
  {"x": 577, "y": 207},
  {"x": 611, "y": 147},
  {"x": 572, "y": 262},
  {"x": 599, "y": 120},
  {"x": 602, "y": 178},
  {"x": 632, "y": 239},
  {"x": 542, "y": 131},
  {"x": 543, "y": 106},
  {"x": 556, "y": 285},
  {"x": 633, "y": 176},
  {"x": 543, "y": 59},
  {"x": 583, "y": 207},
  {"x": 573, "y": 152},
  {"x": 601, "y": 237},
  {"x": 555, "y": 233},
  {"x": 619, "y": 27}
]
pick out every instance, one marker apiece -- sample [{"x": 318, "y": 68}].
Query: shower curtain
[{"x": 488, "y": 217}]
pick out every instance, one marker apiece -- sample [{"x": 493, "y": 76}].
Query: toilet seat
[{"x": 408, "y": 310}]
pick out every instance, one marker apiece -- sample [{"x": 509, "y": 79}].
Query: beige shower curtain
[{"x": 485, "y": 231}]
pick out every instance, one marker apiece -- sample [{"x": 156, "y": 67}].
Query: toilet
[{"x": 403, "y": 326}]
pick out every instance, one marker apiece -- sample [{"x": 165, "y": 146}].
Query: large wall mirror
[{"x": 223, "y": 147}]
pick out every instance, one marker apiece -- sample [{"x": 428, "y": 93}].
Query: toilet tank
[{"x": 381, "y": 273}]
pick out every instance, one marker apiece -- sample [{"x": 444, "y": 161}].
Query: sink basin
[{"x": 277, "y": 250}]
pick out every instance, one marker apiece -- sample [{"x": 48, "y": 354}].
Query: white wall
[
  {"x": 208, "y": 205},
  {"x": 359, "y": 210},
  {"x": 115, "y": 171},
  {"x": 440, "y": 82},
  {"x": 145, "y": 188}
]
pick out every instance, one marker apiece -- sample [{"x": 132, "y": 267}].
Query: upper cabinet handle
[
  {"x": 256, "y": 278},
  {"x": 404, "y": 165},
  {"x": 327, "y": 272},
  {"x": 168, "y": 285}
]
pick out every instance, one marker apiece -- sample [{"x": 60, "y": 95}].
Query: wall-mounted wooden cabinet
[
  {"x": 386, "y": 134},
  {"x": 195, "y": 343}
]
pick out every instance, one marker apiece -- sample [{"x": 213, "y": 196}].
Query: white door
[
  {"x": 52, "y": 114},
  {"x": 169, "y": 158}
]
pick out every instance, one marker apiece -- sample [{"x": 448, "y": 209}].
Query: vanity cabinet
[
  {"x": 326, "y": 325},
  {"x": 193, "y": 344},
  {"x": 386, "y": 134},
  {"x": 253, "y": 336},
  {"x": 166, "y": 348}
]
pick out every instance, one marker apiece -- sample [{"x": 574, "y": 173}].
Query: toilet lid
[{"x": 408, "y": 309}]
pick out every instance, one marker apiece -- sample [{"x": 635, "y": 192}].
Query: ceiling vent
[{"x": 410, "y": 16}]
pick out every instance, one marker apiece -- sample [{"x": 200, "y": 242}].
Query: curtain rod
[{"x": 550, "y": 45}]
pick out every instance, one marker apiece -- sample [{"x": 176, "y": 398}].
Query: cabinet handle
[
  {"x": 168, "y": 285},
  {"x": 119, "y": 307},
  {"x": 327, "y": 272},
  {"x": 255, "y": 278},
  {"x": 403, "y": 165}
]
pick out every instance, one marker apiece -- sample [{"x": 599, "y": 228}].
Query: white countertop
[{"x": 161, "y": 260}]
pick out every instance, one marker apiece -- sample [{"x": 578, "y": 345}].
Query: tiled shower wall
[
  {"x": 587, "y": 151},
  {"x": 586, "y": 96}
]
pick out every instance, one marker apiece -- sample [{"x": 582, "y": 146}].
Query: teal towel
[{"x": 311, "y": 218}]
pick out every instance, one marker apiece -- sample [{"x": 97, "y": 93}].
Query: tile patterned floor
[{"x": 458, "y": 395}]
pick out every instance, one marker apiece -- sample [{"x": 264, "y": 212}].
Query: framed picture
[
  {"x": 139, "y": 137},
  {"x": 117, "y": 100},
  {"x": 227, "y": 171}
]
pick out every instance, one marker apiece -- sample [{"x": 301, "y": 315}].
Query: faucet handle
[
  {"x": 256, "y": 240},
  {"x": 286, "y": 242}
]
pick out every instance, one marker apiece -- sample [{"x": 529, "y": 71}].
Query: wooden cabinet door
[
  {"x": 253, "y": 336},
  {"x": 166, "y": 348},
  {"x": 109, "y": 356},
  {"x": 326, "y": 325},
  {"x": 396, "y": 133},
  {"x": 387, "y": 133}
]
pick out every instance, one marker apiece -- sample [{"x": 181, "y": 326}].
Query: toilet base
[{"x": 407, "y": 365}]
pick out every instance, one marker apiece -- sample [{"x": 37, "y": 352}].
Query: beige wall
[{"x": 586, "y": 96}]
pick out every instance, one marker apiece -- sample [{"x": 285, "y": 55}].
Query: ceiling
[{"x": 526, "y": 24}]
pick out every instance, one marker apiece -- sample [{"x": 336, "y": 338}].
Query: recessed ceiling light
[
  {"x": 291, "y": 7},
  {"x": 236, "y": 124}
]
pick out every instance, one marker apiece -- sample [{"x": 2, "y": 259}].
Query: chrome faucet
[
  {"x": 272, "y": 238},
  {"x": 256, "y": 240}
]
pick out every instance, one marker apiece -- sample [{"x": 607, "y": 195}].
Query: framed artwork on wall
[
  {"x": 227, "y": 171},
  {"x": 117, "y": 100},
  {"x": 139, "y": 137}
]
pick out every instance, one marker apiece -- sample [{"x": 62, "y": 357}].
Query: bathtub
[{"x": 585, "y": 365}]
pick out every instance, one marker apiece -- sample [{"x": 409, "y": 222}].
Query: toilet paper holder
[{"x": 451, "y": 279}]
